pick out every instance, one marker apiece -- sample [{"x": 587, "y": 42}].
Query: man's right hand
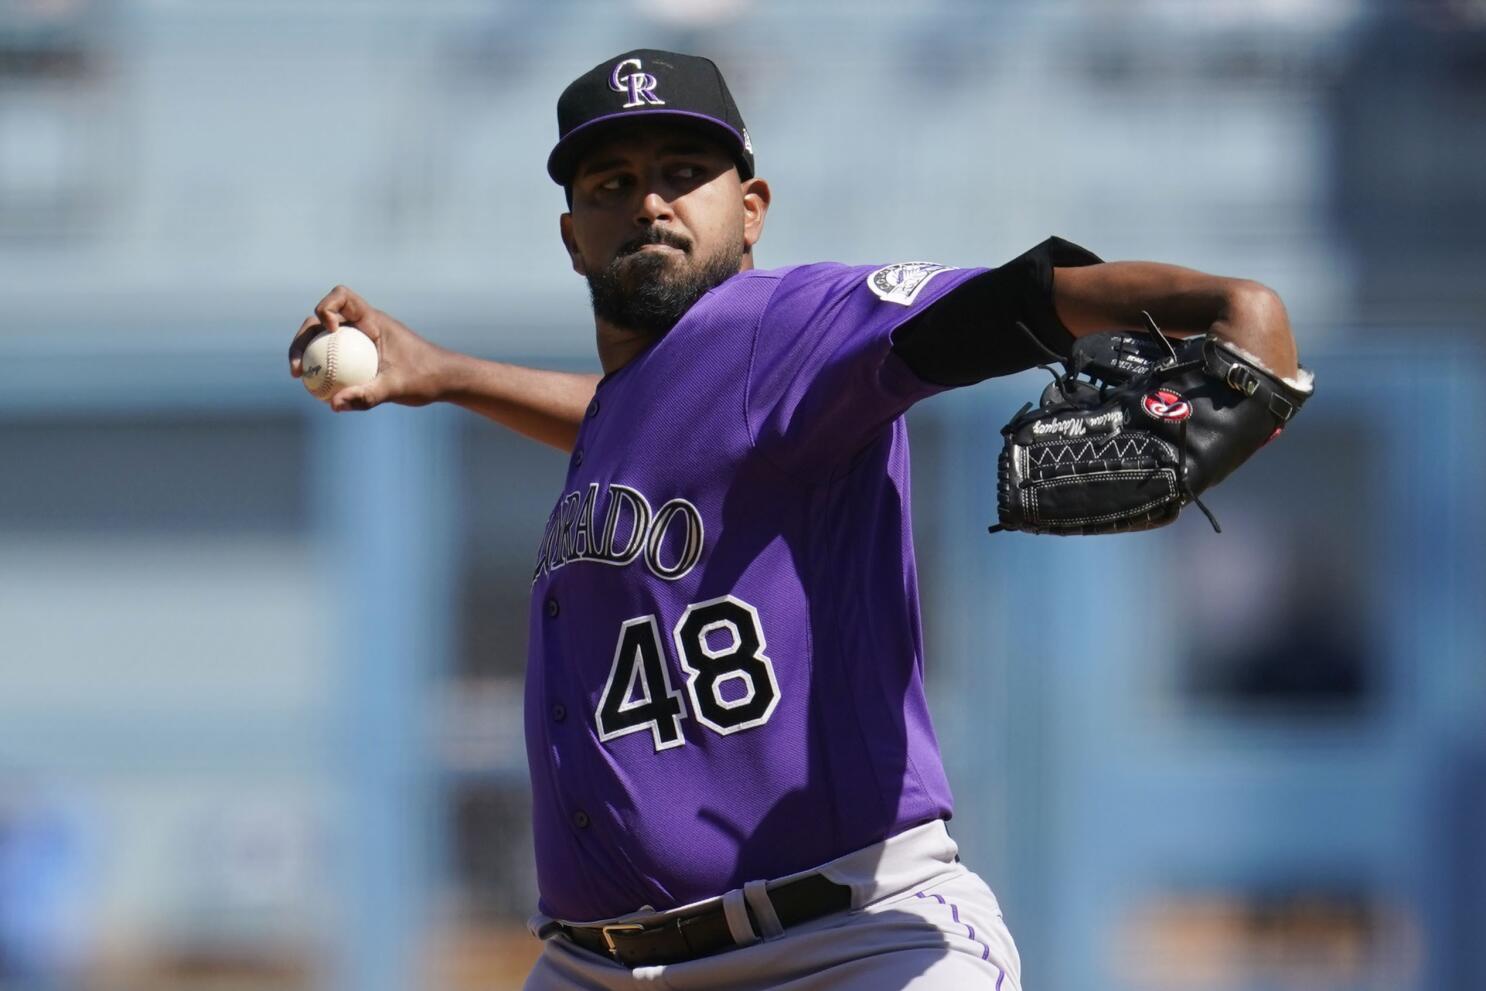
[{"x": 410, "y": 370}]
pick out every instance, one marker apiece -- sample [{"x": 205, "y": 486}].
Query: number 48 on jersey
[{"x": 639, "y": 695}]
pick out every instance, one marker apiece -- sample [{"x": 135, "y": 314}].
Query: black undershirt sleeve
[{"x": 971, "y": 335}]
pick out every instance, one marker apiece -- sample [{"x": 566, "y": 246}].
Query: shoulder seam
[
  {"x": 752, "y": 356},
  {"x": 778, "y": 276}
]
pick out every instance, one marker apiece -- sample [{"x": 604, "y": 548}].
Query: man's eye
[
  {"x": 612, "y": 183},
  {"x": 686, "y": 172}
]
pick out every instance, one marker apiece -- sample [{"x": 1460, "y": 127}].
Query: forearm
[
  {"x": 1182, "y": 301},
  {"x": 544, "y": 405}
]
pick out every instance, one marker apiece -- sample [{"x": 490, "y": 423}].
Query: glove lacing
[{"x": 1107, "y": 392}]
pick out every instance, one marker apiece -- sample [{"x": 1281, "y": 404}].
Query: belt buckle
[{"x": 605, "y": 931}]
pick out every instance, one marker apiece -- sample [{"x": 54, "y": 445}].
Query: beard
[{"x": 639, "y": 291}]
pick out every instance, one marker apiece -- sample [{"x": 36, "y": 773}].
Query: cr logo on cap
[{"x": 639, "y": 85}]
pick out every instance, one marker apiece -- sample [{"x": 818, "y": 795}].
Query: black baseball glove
[{"x": 1137, "y": 427}]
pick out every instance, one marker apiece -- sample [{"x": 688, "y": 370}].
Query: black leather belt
[{"x": 705, "y": 931}]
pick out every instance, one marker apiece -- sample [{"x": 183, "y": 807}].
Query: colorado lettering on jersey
[{"x": 668, "y": 539}]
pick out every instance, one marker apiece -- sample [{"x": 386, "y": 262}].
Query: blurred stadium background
[{"x": 260, "y": 666}]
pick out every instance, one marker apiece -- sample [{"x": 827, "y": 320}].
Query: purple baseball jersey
[{"x": 725, "y": 680}]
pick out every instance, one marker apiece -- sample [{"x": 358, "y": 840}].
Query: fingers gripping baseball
[
  {"x": 341, "y": 305},
  {"x": 409, "y": 370},
  {"x": 361, "y": 397}
]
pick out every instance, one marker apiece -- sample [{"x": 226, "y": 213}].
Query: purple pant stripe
[{"x": 954, "y": 911}]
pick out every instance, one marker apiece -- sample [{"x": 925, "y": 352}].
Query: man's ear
[
  {"x": 755, "y": 207},
  {"x": 565, "y": 223}
]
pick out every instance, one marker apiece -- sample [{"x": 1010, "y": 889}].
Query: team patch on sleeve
[{"x": 902, "y": 282}]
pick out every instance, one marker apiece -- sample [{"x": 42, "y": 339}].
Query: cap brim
[{"x": 563, "y": 161}]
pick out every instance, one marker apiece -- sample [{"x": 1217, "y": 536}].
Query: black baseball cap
[{"x": 646, "y": 84}]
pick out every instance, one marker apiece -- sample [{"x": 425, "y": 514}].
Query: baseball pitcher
[{"x": 735, "y": 778}]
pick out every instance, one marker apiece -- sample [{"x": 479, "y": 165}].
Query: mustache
[{"x": 654, "y": 235}]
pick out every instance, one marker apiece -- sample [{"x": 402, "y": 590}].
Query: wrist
[{"x": 451, "y": 375}]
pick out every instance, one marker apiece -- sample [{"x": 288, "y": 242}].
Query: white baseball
[{"x": 335, "y": 360}]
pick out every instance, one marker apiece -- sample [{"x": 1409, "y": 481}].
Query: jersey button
[
  {"x": 580, "y": 819},
  {"x": 559, "y": 712},
  {"x": 578, "y": 457},
  {"x": 593, "y": 408},
  {"x": 552, "y": 608}
]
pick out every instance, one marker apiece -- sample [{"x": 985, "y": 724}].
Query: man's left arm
[
  {"x": 1059, "y": 291},
  {"x": 1239, "y": 312}
]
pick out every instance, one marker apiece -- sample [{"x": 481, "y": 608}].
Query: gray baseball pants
[{"x": 919, "y": 921}]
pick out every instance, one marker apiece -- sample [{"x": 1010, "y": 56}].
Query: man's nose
[{"x": 654, "y": 207}]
